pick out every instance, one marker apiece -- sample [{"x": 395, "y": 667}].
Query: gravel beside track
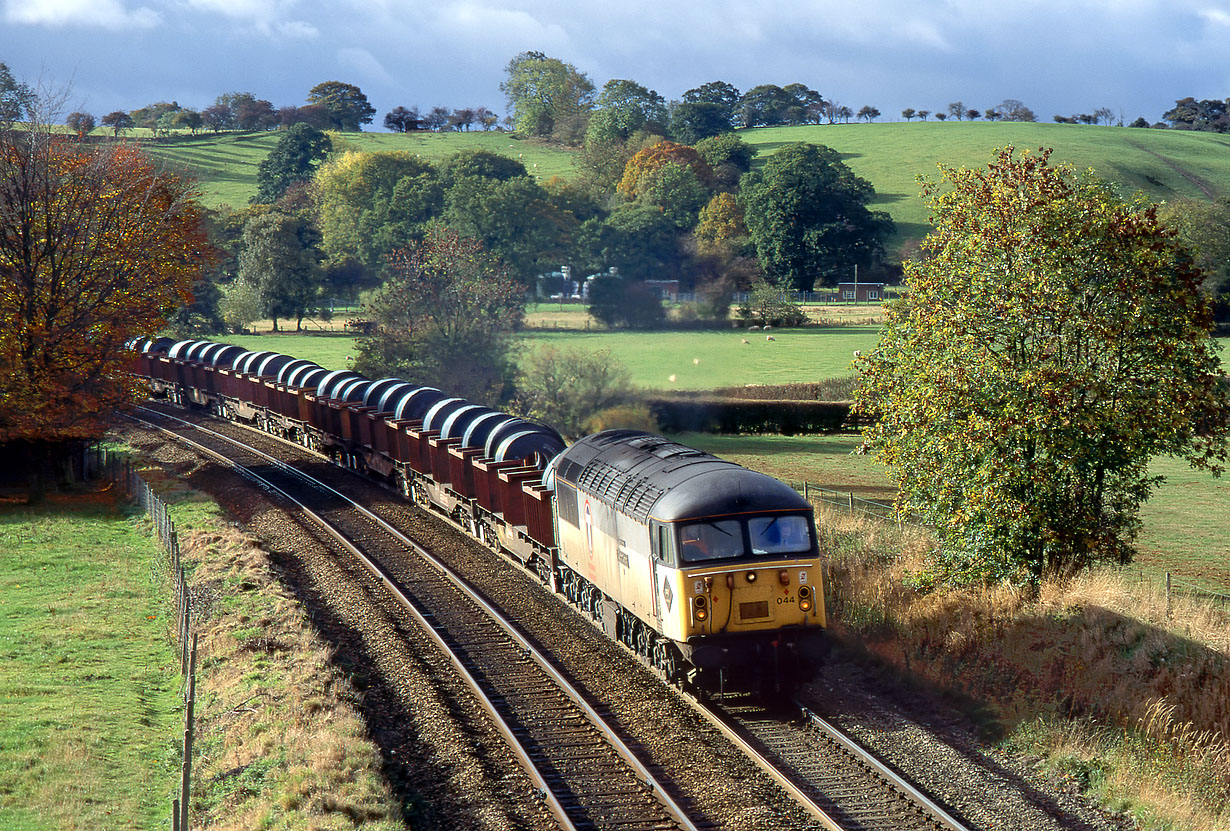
[{"x": 436, "y": 743}]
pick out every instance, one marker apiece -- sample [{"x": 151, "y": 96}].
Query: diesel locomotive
[{"x": 706, "y": 570}]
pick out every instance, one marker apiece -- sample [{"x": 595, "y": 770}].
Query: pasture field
[
  {"x": 89, "y": 705},
  {"x": 699, "y": 360},
  {"x": 1163, "y": 164},
  {"x": 225, "y": 165}
]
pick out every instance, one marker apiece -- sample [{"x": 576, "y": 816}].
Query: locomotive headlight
[
  {"x": 702, "y": 607},
  {"x": 805, "y": 598},
  {"x": 751, "y": 577}
]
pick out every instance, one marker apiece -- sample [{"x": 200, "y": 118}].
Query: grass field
[
  {"x": 89, "y": 711},
  {"x": 225, "y": 165},
  {"x": 1164, "y": 164}
]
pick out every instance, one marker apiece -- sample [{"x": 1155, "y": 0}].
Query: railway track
[
  {"x": 586, "y": 773},
  {"x": 840, "y": 785}
]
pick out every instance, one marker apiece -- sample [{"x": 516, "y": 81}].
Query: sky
[{"x": 1064, "y": 57}]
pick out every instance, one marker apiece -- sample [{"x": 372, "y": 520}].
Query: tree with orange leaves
[
  {"x": 652, "y": 159},
  {"x": 97, "y": 246}
]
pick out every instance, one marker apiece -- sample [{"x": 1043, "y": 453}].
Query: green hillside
[
  {"x": 225, "y": 165},
  {"x": 1164, "y": 164}
]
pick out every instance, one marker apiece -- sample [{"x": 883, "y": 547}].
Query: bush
[{"x": 716, "y": 414}]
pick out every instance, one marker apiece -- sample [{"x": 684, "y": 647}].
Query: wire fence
[
  {"x": 101, "y": 462},
  {"x": 1175, "y": 586},
  {"x": 856, "y": 505}
]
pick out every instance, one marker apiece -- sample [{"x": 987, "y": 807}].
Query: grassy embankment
[
  {"x": 90, "y": 714},
  {"x": 1120, "y": 695}
]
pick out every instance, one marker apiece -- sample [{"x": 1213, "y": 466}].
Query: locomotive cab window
[
  {"x": 716, "y": 540},
  {"x": 779, "y": 535},
  {"x": 664, "y": 543}
]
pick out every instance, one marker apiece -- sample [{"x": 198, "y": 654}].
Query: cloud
[
  {"x": 363, "y": 62},
  {"x": 106, "y": 14},
  {"x": 267, "y": 17},
  {"x": 1216, "y": 16}
]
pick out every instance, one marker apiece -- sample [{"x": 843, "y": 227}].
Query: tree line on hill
[{"x": 331, "y": 105}]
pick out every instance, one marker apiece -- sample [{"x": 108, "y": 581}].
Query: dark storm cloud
[{"x": 1137, "y": 56}]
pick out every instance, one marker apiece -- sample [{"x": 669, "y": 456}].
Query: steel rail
[
  {"x": 922, "y": 800},
  {"x": 596, "y": 720}
]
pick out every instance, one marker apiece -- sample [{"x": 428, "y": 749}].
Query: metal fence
[{"x": 101, "y": 462}]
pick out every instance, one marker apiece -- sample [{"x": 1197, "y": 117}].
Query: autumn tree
[
  {"x": 346, "y": 104},
  {"x": 445, "y": 317},
  {"x": 1052, "y": 342},
  {"x": 645, "y": 162},
  {"x": 97, "y": 246},
  {"x": 80, "y": 123},
  {"x": 119, "y": 122}
]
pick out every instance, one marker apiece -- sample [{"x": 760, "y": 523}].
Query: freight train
[{"x": 706, "y": 570}]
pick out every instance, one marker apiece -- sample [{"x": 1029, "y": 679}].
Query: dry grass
[
  {"x": 1092, "y": 670},
  {"x": 281, "y": 746}
]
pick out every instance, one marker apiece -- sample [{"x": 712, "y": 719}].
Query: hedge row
[{"x": 714, "y": 414}]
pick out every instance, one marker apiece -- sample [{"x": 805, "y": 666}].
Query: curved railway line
[{"x": 589, "y": 777}]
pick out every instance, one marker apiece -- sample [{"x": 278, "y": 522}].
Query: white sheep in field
[
  {"x": 753, "y": 328},
  {"x": 767, "y": 327},
  {"x": 745, "y": 340},
  {"x": 858, "y": 353},
  {"x": 769, "y": 337}
]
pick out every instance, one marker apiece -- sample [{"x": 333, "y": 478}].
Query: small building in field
[
  {"x": 667, "y": 289},
  {"x": 860, "y": 292}
]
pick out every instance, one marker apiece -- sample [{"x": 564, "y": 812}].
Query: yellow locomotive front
[{"x": 691, "y": 560}]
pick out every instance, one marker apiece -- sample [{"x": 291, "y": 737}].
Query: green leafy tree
[
  {"x": 1205, "y": 226},
  {"x": 566, "y": 388},
  {"x": 1053, "y": 341},
  {"x": 445, "y": 317},
  {"x": 293, "y": 159},
  {"x": 808, "y": 218},
  {"x": 625, "y": 302},
  {"x": 544, "y": 93},
  {"x": 728, "y": 156},
  {"x": 371, "y": 204},
  {"x": 676, "y": 191},
  {"x": 623, "y": 108},
  {"x": 17, "y": 99},
  {"x": 515, "y": 219},
  {"x": 771, "y": 305},
  {"x": 348, "y": 107},
  {"x": 280, "y": 257}
]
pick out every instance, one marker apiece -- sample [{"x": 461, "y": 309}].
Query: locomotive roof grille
[{"x": 644, "y": 476}]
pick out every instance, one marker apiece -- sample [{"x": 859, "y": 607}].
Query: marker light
[{"x": 751, "y": 577}]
